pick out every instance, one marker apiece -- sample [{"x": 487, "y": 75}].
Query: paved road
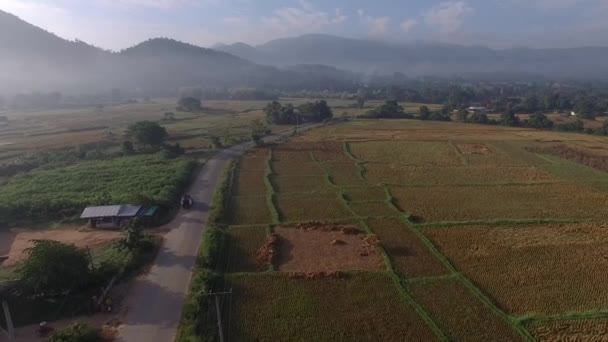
[{"x": 155, "y": 302}]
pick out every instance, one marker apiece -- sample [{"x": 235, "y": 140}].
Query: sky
[{"x": 118, "y": 24}]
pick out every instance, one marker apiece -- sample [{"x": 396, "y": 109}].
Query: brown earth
[
  {"x": 14, "y": 244},
  {"x": 316, "y": 250},
  {"x": 474, "y": 149}
]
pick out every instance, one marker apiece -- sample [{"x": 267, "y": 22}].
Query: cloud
[
  {"x": 159, "y": 4},
  {"x": 378, "y": 27},
  {"x": 447, "y": 16},
  {"x": 305, "y": 18},
  {"x": 408, "y": 24},
  {"x": 551, "y": 4}
]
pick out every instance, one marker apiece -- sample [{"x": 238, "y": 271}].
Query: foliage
[
  {"x": 78, "y": 332},
  {"x": 65, "y": 191},
  {"x": 168, "y": 117},
  {"x": 258, "y": 131},
  {"x": 478, "y": 118},
  {"x": 389, "y": 110},
  {"x": 509, "y": 118},
  {"x": 279, "y": 114},
  {"x": 53, "y": 267},
  {"x": 189, "y": 104},
  {"x": 576, "y": 126},
  {"x": 305, "y": 113},
  {"x": 539, "y": 121},
  {"x": 317, "y": 111},
  {"x": 361, "y": 101},
  {"x": 424, "y": 113},
  {"x": 127, "y": 148},
  {"x": 133, "y": 235},
  {"x": 169, "y": 151},
  {"x": 462, "y": 115},
  {"x": 147, "y": 133}
]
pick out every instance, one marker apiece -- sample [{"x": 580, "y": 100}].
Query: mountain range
[{"x": 32, "y": 59}]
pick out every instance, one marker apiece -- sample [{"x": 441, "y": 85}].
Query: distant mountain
[
  {"x": 423, "y": 58},
  {"x": 32, "y": 59}
]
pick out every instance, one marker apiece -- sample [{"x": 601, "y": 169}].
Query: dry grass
[
  {"x": 468, "y": 203},
  {"x": 313, "y": 207},
  {"x": 249, "y": 183},
  {"x": 365, "y": 194},
  {"x": 362, "y": 307},
  {"x": 243, "y": 244},
  {"x": 579, "y": 330},
  {"x": 287, "y": 184},
  {"x": 344, "y": 173},
  {"x": 409, "y": 256},
  {"x": 297, "y": 169},
  {"x": 373, "y": 209},
  {"x": 309, "y": 250},
  {"x": 549, "y": 269},
  {"x": 424, "y": 175},
  {"x": 460, "y": 315},
  {"x": 249, "y": 210},
  {"x": 430, "y": 153}
]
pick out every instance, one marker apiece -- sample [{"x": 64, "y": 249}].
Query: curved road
[{"x": 155, "y": 302}]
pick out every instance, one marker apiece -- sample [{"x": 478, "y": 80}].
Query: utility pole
[
  {"x": 218, "y": 311},
  {"x": 9, "y": 323}
]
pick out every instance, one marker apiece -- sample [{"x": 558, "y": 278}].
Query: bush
[{"x": 78, "y": 332}]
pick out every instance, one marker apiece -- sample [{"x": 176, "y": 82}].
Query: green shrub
[{"x": 78, "y": 332}]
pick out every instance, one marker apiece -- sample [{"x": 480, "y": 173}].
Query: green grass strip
[{"x": 270, "y": 192}]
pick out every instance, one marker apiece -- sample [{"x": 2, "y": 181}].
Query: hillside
[{"x": 423, "y": 58}]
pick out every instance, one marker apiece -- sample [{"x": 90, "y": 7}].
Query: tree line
[{"x": 279, "y": 114}]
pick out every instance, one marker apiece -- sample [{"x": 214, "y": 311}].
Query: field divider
[
  {"x": 358, "y": 163},
  {"x": 523, "y": 222},
  {"x": 573, "y": 316},
  {"x": 270, "y": 192},
  {"x": 514, "y": 323},
  {"x": 465, "y": 160}
]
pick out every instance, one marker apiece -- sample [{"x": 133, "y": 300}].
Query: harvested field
[
  {"x": 460, "y": 314},
  {"x": 409, "y": 256},
  {"x": 297, "y": 169},
  {"x": 249, "y": 210},
  {"x": 249, "y": 183},
  {"x": 14, "y": 244},
  {"x": 242, "y": 247},
  {"x": 373, "y": 209},
  {"x": 325, "y": 151},
  {"x": 377, "y": 173},
  {"x": 578, "y": 330},
  {"x": 344, "y": 173},
  {"x": 310, "y": 250},
  {"x": 470, "y": 203},
  {"x": 311, "y": 207},
  {"x": 474, "y": 148},
  {"x": 365, "y": 194},
  {"x": 492, "y": 157},
  {"x": 285, "y": 184},
  {"x": 546, "y": 269},
  {"x": 430, "y": 153},
  {"x": 256, "y": 159},
  {"x": 588, "y": 158},
  {"x": 361, "y": 307}
]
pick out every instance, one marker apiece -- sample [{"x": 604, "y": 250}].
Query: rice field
[
  {"x": 365, "y": 194},
  {"x": 344, "y": 173},
  {"x": 541, "y": 269},
  {"x": 362, "y": 307},
  {"x": 429, "y": 153},
  {"x": 509, "y": 202},
  {"x": 249, "y": 210},
  {"x": 289, "y": 184},
  {"x": 373, "y": 209},
  {"x": 460, "y": 314},
  {"x": 311, "y": 207},
  {"x": 249, "y": 183},
  {"x": 241, "y": 248},
  {"x": 296, "y": 168},
  {"x": 409, "y": 256},
  {"x": 574, "y": 330}
]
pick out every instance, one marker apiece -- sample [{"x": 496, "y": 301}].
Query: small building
[
  {"x": 477, "y": 110},
  {"x": 112, "y": 215}
]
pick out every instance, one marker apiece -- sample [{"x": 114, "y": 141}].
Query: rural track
[{"x": 154, "y": 303}]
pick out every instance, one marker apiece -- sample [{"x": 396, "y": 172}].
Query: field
[
  {"x": 361, "y": 307},
  {"x": 478, "y": 237}
]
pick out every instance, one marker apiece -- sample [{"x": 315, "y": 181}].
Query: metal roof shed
[{"x": 117, "y": 211}]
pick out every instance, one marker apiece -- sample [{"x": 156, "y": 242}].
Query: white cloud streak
[
  {"x": 448, "y": 16},
  {"x": 408, "y": 24}
]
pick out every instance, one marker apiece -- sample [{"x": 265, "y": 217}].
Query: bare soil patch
[
  {"x": 23, "y": 240},
  {"x": 326, "y": 248},
  {"x": 474, "y": 148}
]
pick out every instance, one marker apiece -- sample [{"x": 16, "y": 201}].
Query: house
[
  {"x": 477, "y": 110},
  {"x": 113, "y": 215}
]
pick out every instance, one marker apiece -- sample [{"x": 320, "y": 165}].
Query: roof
[
  {"x": 123, "y": 210},
  {"x": 151, "y": 211}
]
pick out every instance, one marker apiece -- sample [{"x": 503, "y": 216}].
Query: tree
[
  {"x": 478, "y": 118},
  {"x": 425, "y": 112},
  {"x": 189, "y": 104},
  {"x": 462, "y": 114},
  {"x": 53, "y": 267},
  {"x": 127, "y": 147},
  {"x": 215, "y": 142},
  {"x": 258, "y": 131},
  {"x": 360, "y": 101},
  {"x": 508, "y": 118},
  {"x": 133, "y": 236},
  {"x": 147, "y": 133},
  {"x": 539, "y": 120},
  {"x": 169, "y": 117},
  {"x": 390, "y": 110},
  {"x": 78, "y": 332}
]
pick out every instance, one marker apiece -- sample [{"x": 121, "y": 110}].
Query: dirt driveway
[{"x": 14, "y": 243}]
